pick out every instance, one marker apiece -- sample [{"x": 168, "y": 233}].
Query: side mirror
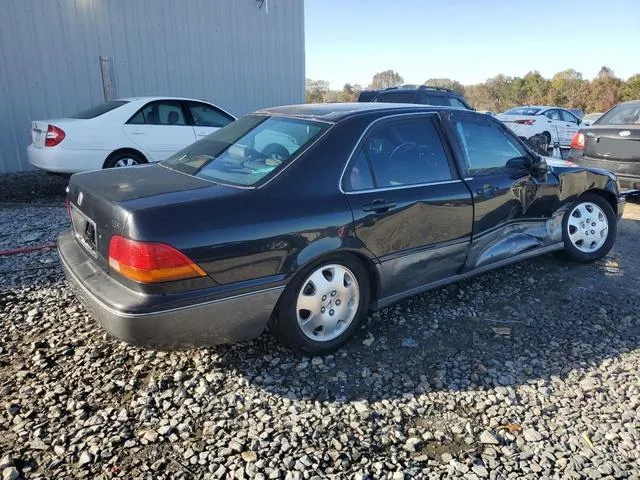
[
  {"x": 518, "y": 163},
  {"x": 539, "y": 166}
]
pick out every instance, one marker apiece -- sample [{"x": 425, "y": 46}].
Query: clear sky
[{"x": 469, "y": 41}]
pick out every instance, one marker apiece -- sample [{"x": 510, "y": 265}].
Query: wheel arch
[
  {"x": 607, "y": 195},
  {"x": 367, "y": 262},
  {"x": 125, "y": 150}
]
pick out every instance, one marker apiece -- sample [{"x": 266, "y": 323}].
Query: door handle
[
  {"x": 136, "y": 132},
  {"x": 378, "y": 206},
  {"x": 487, "y": 190},
  {"x": 203, "y": 134}
]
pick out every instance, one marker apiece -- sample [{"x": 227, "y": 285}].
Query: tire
[
  {"x": 124, "y": 159},
  {"x": 583, "y": 244},
  {"x": 290, "y": 322}
]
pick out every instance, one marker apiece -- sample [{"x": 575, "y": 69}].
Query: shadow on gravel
[{"x": 520, "y": 324}]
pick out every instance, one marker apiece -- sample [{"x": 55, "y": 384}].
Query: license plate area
[{"x": 84, "y": 229}]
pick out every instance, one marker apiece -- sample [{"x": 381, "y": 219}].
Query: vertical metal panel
[{"x": 228, "y": 52}]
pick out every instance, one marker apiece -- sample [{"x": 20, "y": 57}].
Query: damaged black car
[{"x": 305, "y": 218}]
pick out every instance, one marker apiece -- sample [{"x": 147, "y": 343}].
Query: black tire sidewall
[
  {"x": 114, "y": 157},
  {"x": 585, "y": 257},
  {"x": 286, "y": 327}
]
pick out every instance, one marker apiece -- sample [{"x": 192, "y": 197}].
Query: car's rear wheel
[
  {"x": 589, "y": 228},
  {"x": 323, "y": 305},
  {"x": 123, "y": 159}
]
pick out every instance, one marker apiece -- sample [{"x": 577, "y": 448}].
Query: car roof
[
  {"x": 150, "y": 98},
  {"x": 335, "y": 112}
]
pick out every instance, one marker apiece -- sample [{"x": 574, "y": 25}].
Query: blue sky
[{"x": 469, "y": 41}]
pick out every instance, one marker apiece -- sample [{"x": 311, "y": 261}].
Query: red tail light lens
[
  {"x": 147, "y": 262},
  {"x": 577, "y": 143},
  {"x": 54, "y": 136},
  {"x": 526, "y": 122}
]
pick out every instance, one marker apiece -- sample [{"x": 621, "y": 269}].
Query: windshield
[
  {"x": 522, "y": 111},
  {"x": 248, "y": 150},
  {"x": 99, "y": 109},
  {"x": 623, "y": 114}
]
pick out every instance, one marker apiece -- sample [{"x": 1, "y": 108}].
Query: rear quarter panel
[{"x": 238, "y": 234}]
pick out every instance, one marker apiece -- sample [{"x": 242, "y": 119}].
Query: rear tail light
[
  {"x": 54, "y": 136},
  {"x": 577, "y": 143},
  {"x": 526, "y": 122},
  {"x": 147, "y": 262}
]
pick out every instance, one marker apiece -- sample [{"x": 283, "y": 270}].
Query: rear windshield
[
  {"x": 522, "y": 111},
  {"x": 623, "y": 114},
  {"x": 396, "y": 97},
  {"x": 99, "y": 109},
  {"x": 248, "y": 150}
]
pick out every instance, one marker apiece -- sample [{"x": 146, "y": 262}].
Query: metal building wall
[{"x": 230, "y": 52}]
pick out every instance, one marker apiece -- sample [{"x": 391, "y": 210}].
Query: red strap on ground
[{"x": 35, "y": 248}]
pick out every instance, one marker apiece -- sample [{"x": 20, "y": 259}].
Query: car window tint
[
  {"x": 407, "y": 96},
  {"x": 457, "y": 103},
  {"x": 552, "y": 114},
  {"x": 359, "y": 177},
  {"x": 485, "y": 146},
  {"x": 160, "y": 113},
  {"x": 622, "y": 114},
  {"x": 405, "y": 152},
  {"x": 248, "y": 150},
  {"x": 568, "y": 117},
  {"x": 208, "y": 116},
  {"x": 434, "y": 99}
]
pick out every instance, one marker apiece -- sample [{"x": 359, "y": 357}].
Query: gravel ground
[{"x": 526, "y": 372}]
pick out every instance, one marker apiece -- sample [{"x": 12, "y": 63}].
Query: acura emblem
[
  {"x": 624, "y": 133},
  {"x": 80, "y": 197}
]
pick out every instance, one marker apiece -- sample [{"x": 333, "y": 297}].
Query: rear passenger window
[
  {"x": 485, "y": 146},
  {"x": 166, "y": 112},
  {"x": 406, "y": 152}
]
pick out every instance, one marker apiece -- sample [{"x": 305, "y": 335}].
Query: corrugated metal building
[{"x": 240, "y": 54}]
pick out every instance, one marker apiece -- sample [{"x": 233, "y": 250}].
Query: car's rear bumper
[
  {"x": 61, "y": 160},
  {"x": 627, "y": 173},
  {"x": 191, "y": 322}
]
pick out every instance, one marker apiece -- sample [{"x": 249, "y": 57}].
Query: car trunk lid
[
  {"x": 101, "y": 202},
  {"x": 620, "y": 142}
]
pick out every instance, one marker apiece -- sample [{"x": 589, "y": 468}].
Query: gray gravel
[{"x": 530, "y": 371}]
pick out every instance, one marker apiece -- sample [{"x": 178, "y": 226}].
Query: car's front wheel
[
  {"x": 323, "y": 305},
  {"x": 589, "y": 228}
]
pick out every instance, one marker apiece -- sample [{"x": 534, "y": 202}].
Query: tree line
[{"x": 567, "y": 88}]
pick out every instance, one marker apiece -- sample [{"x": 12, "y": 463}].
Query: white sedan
[
  {"x": 122, "y": 133},
  {"x": 555, "y": 124}
]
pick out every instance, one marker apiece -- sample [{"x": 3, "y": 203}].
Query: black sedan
[
  {"x": 304, "y": 218},
  {"x": 612, "y": 143}
]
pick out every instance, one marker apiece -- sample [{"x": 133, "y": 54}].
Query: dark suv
[{"x": 422, "y": 94}]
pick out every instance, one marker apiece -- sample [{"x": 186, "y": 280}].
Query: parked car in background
[
  {"x": 552, "y": 123},
  {"x": 122, "y": 133},
  {"x": 374, "y": 203},
  {"x": 590, "y": 118},
  {"x": 419, "y": 94},
  {"x": 612, "y": 143}
]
